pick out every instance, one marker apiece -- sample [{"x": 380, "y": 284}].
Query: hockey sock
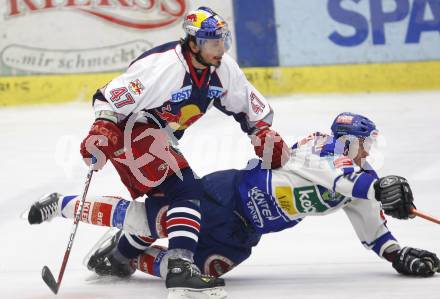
[
  {"x": 131, "y": 246},
  {"x": 101, "y": 210},
  {"x": 130, "y": 216},
  {"x": 154, "y": 261},
  {"x": 183, "y": 225}
]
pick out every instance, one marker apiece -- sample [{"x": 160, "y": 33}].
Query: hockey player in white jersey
[
  {"x": 325, "y": 173},
  {"x": 140, "y": 114}
]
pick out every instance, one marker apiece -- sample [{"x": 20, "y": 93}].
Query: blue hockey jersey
[{"x": 315, "y": 181}]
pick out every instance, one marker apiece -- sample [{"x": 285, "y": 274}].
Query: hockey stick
[
  {"x": 424, "y": 216},
  {"x": 46, "y": 274}
]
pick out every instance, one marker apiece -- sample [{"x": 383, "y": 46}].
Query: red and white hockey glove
[
  {"x": 105, "y": 139},
  {"x": 269, "y": 146}
]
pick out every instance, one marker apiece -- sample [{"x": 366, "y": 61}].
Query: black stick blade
[{"x": 49, "y": 279}]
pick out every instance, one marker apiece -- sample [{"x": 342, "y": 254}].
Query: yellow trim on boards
[
  {"x": 396, "y": 77},
  {"x": 24, "y": 90}
]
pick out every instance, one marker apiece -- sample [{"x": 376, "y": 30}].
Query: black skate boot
[
  {"x": 44, "y": 209},
  {"x": 108, "y": 261},
  {"x": 184, "y": 280}
]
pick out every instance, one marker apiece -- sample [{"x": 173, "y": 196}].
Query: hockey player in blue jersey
[
  {"x": 140, "y": 114},
  {"x": 324, "y": 173}
]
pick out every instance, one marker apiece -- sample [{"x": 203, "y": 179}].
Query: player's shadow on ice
[
  {"x": 310, "y": 278},
  {"x": 135, "y": 280}
]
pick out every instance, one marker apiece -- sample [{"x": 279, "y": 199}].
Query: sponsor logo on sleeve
[
  {"x": 136, "y": 87},
  {"x": 257, "y": 105}
]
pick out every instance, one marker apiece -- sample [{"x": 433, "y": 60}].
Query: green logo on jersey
[
  {"x": 307, "y": 200},
  {"x": 332, "y": 196}
]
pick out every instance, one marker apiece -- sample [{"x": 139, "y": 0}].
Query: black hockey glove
[
  {"x": 395, "y": 195},
  {"x": 416, "y": 262}
]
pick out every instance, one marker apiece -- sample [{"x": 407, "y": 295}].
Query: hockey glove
[
  {"x": 104, "y": 141},
  {"x": 416, "y": 262},
  {"x": 395, "y": 195},
  {"x": 269, "y": 146}
]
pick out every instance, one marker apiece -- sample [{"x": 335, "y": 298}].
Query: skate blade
[
  {"x": 180, "y": 293},
  {"x": 108, "y": 235}
]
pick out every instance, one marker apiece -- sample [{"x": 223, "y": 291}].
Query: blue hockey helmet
[
  {"x": 352, "y": 124},
  {"x": 204, "y": 24}
]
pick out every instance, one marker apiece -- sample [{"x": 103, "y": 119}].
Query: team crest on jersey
[
  {"x": 136, "y": 87},
  {"x": 182, "y": 94},
  {"x": 257, "y": 105}
]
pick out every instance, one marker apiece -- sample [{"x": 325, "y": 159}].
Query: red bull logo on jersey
[
  {"x": 186, "y": 116},
  {"x": 136, "y": 87}
]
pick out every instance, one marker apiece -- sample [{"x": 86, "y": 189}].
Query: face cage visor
[
  {"x": 371, "y": 141},
  {"x": 352, "y": 142},
  {"x": 219, "y": 44}
]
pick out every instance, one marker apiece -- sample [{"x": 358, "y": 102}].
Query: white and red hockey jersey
[{"x": 162, "y": 83}]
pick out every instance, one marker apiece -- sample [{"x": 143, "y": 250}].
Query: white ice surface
[{"x": 320, "y": 258}]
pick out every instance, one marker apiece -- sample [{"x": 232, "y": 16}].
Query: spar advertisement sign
[
  {"x": 88, "y": 36},
  {"x": 329, "y": 32}
]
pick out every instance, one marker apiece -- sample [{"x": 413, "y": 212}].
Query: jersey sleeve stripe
[{"x": 362, "y": 185}]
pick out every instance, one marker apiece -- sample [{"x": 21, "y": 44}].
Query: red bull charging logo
[{"x": 187, "y": 115}]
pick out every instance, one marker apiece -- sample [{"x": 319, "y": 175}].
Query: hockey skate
[
  {"x": 104, "y": 259},
  {"x": 44, "y": 209},
  {"x": 184, "y": 281}
]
